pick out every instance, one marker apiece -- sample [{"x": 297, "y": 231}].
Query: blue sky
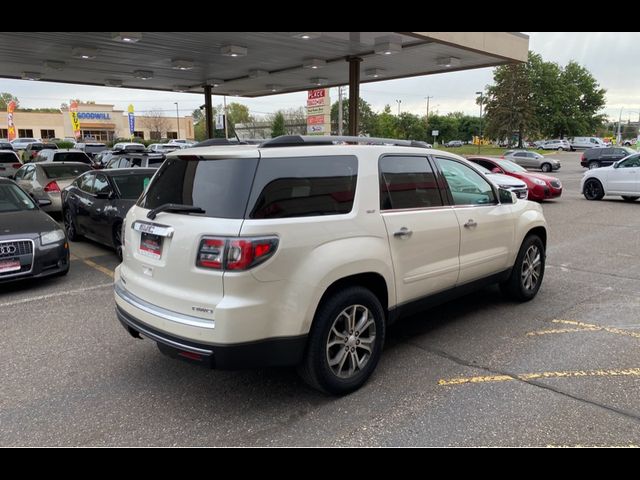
[{"x": 610, "y": 56}]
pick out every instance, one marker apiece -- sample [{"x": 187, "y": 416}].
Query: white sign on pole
[
  {"x": 435, "y": 133},
  {"x": 220, "y": 121}
]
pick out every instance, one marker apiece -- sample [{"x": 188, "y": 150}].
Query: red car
[{"x": 541, "y": 187}]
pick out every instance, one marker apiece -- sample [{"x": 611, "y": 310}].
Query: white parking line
[{"x": 58, "y": 294}]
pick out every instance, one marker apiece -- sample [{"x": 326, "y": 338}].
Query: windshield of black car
[
  {"x": 220, "y": 187},
  {"x": 13, "y": 199},
  {"x": 130, "y": 187},
  {"x": 64, "y": 171}
]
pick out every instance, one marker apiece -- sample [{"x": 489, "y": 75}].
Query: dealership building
[{"x": 100, "y": 122}]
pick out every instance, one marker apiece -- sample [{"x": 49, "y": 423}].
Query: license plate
[
  {"x": 151, "y": 245},
  {"x": 9, "y": 266}
]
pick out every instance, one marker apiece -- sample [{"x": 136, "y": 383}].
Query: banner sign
[
  {"x": 132, "y": 120},
  {"x": 75, "y": 122},
  {"x": 11, "y": 132}
]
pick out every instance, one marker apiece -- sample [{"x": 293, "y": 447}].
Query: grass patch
[{"x": 486, "y": 150}]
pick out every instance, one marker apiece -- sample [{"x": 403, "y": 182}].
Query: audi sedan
[
  {"x": 541, "y": 187},
  {"x": 32, "y": 245}
]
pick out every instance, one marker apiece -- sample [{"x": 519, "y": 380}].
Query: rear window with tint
[
  {"x": 64, "y": 171},
  {"x": 304, "y": 186},
  {"x": 8, "y": 157},
  {"x": 71, "y": 157},
  {"x": 220, "y": 187},
  {"x": 131, "y": 186}
]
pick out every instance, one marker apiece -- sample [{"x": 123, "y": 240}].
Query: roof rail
[{"x": 309, "y": 140}]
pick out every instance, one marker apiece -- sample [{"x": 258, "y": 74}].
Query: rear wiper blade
[{"x": 173, "y": 207}]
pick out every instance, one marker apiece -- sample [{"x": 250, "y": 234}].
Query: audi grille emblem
[{"x": 7, "y": 249}]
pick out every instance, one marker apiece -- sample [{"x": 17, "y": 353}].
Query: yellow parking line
[
  {"x": 562, "y": 330},
  {"x": 617, "y": 331},
  {"x": 583, "y": 327},
  {"x": 93, "y": 265},
  {"x": 631, "y": 372}
]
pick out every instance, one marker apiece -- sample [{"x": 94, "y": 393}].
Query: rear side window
[
  {"x": 220, "y": 187},
  {"x": 131, "y": 186},
  {"x": 407, "y": 182},
  {"x": 304, "y": 186}
]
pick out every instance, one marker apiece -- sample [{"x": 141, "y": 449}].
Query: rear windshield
[
  {"x": 131, "y": 187},
  {"x": 8, "y": 157},
  {"x": 71, "y": 157},
  {"x": 64, "y": 171},
  {"x": 220, "y": 187}
]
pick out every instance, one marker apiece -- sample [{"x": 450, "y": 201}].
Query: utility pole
[
  {"x": 226, "y": 128},
  {"x": 177, "y": 122},
  {"x": 618, "y": 137},
  {"x": 480, "y": 137},
  {"x": 427, "y": 119},
  {"x": 399, "y": 102},
  {"x": 340, "y": 111}
]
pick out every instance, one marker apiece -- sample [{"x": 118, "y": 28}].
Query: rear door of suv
[
  {"x": 423, "y": 230},
  {"x": 174, "y": 259}
]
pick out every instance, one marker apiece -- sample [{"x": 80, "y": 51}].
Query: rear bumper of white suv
[{"x": 270, "y": 352}]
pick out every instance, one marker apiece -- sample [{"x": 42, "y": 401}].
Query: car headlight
[
  {"x": 537, "y": 181},
  {"x": 506, "y": 187},
  {"x": 51, "y": 237}
]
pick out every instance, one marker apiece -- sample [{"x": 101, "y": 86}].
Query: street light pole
[
  {"x": 399, "y": 102},
  {"x": 177, "y": 121},
  {"x": 480, "y": 136}
]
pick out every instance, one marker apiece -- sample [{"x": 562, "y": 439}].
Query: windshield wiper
[{"x": 173, "y": 207}]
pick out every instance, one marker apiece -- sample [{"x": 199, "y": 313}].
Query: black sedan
[
  {"x": 32, "y": 244},
  {"x": 95, "y": 204}
]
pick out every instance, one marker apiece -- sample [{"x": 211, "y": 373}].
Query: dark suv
[{"x": 602, "y": 157}]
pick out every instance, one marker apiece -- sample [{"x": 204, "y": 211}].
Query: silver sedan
[
  {"x": 46, "y": 180},
  {"x": 534, "y": 160}
]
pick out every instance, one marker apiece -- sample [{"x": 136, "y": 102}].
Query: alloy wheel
[{"x": 531, "y": 268}]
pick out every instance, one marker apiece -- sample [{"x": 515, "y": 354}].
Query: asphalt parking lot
[{"x": 561, "y": 370}]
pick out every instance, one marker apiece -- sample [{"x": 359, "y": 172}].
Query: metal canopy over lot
[
  {"x": 271, "y": 58},
  {"x": 249, "y": 64}
]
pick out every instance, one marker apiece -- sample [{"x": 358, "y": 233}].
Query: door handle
[
  {"x": 470, "y": 223},
  {"x": 403, "y": 233}
]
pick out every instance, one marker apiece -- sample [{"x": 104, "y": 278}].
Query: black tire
[
  {"x": 117, "y": 240},
  {"x": 316, "y": 369},
  {"x": 531, "y": 258},
  {"x": 593, "y": 189},
  {"x": 629, "y": 199},
  {"x": 545, "y": 167},
  {"x": 560, "y": 149},
  {"x": 594, "y": 164},
  {"x": 70, "y": 226}
]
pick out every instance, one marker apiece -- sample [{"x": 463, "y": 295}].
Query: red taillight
[
  {"x": 52, "y": 187},
  {"x": 16, "y": 165},
  {"x": 582, "y": 157},
  {"x": 235, "y": 254},
  {"x": 211, "y": 253}
]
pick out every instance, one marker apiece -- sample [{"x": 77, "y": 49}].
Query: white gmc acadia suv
[{"x": 302, "y": 250}]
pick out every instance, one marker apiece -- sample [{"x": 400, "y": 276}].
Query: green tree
[
  {"x": 277, "y": 126},
  {"x": 386, "y": 125},
  {"x": 5, "y": 98},
  {"x": 411, "y": 127},
  {"x": 566, "y": 100},
  {"x": 368, "y": 118},
  {"x": 508, "y": 104}
]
